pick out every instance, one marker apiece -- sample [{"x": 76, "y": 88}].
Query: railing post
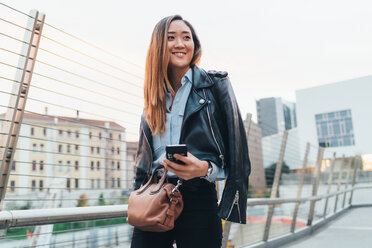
[
  {"x": 226, "y": 233},
  {"x": 341, "y": 171},
  {"x": 356, "y": 165},
  {"x": 299, "y": 191},
  {"x": 275, "y": 187},
  {"x": 14, "y": 115},
  {"x": 349, "y": 169},
  {"x": 330, "y": 180},
  {"x": 315, "y": 185}
]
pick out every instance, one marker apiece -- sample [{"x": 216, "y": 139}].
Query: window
[
  {"x": 118, "y": 165},
  {"x": 13, "y": 166},
  {"x": 32, "y": 131},
  {"x": 41, "y": 185},
  {"x": 98, "y": 165},
  {"x": 335, "y": 129},
  {"x": 68, "y": 148},
  {"x": 112, "y": 182},
  {"x": 12, "y": 186},
  {"x": 112, "y": 150},
  {"x": 118, "y": 150},
  {"x": 118, "y": 180},
  {"x": 98, "y": 150},
  {"x": 100, "y": 136},
  {"x": 44, "y": 131},
  {"x": 90, "y": 135},
  {"x": 59, "y": 165},
  {"x": 76, "y": 165},
  {"x": 69, "y": 133},
  {"x": 60, "y": 132},
  {"x": 33, "y": 165},
  {"x": 68, "y": 166},
  {"x": 41, "y": 165},
  {"x": 119, "y": 136},
  {"x": 76, "y": 148},
  {"x": 68, "y": 183},
  {"x": 98, "y": 183},
  {"x": 110, "y": 136},
  {"x": 33, "y": 185},
  {"x": 112, "y": 165},
  {"x": 41, "y": 147},
  {"x": 77, "y": 134},
  {"x": 60, "y": 148},
  {"x": 91, "y": 165},
  {"x": 34, "y": 147},
  {"x": 92, "y": 149},
  {"x": 134, "y": 157},
  {"x": 76, "y": 183},
  {"x": 92, "y": 183}
]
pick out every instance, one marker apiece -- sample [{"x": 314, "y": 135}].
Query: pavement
[{"x": 352, "y": 229}]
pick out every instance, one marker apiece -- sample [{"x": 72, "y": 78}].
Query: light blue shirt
[{"x": 173, "y": 124}]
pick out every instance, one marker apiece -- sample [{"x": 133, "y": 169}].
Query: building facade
[
  {"x": 337, "y": 116},
  {"x": 275, "y": 115},
  {"x": 69, "y": 154}
]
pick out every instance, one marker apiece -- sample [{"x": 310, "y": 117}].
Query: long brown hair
[{"x": 156, "y": 77}]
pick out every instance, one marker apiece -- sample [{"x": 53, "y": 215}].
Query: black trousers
[{"x": 197, "y": 226}]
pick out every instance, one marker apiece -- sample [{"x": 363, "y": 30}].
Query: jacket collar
[{"x": 200, "y": 78}]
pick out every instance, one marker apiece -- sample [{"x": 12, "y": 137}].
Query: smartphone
[{"x": 170, "y": 150}]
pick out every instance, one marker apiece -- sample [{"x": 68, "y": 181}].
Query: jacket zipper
[
  {"x": 214, "y": 137},
  {"x": 235, "y": 202}
]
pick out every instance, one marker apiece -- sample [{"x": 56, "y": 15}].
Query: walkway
[{"x": 352, "y": 229}]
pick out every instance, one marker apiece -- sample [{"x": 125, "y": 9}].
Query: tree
[
  {"x": 270, "y": 173},
  {"x": 101, "y": 200}
]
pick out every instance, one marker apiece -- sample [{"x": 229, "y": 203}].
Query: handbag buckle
[{"x": 179, "y": 183}]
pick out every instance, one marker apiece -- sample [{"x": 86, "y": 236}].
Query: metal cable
[
  {"x": 77, "y": 121},
  {"x": 66, "y": 189},
  {"x": 63, "y": 231},
  {"x": 68, "y": 120},
  {"x": 89, "y": 79},
  {"x": 80, "y": 239},
  {"x": 16, "y": 10},
  {"x": 83, "y": 77},
  {"x": 72, "y": 178},
  {"x": 89, "y": 113},
  {"x": 67, "y": 143},
  {"x": 65, "y": 154},
  {"x": 66, "y": 199},
  {"x": 66, "y": 131},
  {"x": 91, "y": 57},
  {"x": 92, "y": 45},
  {"x": 78, "y": 87},
  {"x": 91, "y": 68},
  {"x": 69, "y": 165},
  {"x": 14, "y": 24},
  {"x": 77, "y": 38},
  {"x": 14, "y": 38}
]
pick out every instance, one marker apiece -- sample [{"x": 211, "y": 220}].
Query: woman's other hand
[{"x": 192, "y": 168}]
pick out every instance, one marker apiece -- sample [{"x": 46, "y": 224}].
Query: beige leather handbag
[{"x": 156, "y": 205}]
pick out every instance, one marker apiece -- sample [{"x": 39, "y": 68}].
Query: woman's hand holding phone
[{"x": 192, "y": 167}]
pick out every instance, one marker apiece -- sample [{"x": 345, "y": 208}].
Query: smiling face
[{"x": 180, "y": 46}]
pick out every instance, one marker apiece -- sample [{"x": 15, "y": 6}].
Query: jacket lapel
[{"x": 196, "y": 99}]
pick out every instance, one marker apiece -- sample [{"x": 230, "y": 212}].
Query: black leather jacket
[{"x": 213, "y": 130}]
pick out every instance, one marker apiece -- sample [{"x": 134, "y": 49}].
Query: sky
[{"x": 269, "y": 48}]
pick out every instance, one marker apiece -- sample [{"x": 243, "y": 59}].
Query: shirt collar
[{"x": 187, "y": 76}]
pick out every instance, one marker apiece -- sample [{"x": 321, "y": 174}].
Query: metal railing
[{"x": 23, "y": 218}]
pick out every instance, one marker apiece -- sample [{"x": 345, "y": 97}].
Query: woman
[{"x": 186, "y": 105}]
